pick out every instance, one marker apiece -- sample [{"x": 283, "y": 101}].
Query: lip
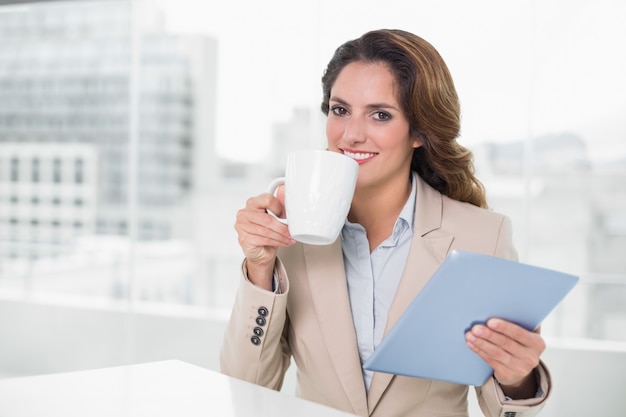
[{"x": 360, "y": 157}]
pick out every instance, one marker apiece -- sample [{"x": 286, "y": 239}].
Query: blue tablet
[{"x": 428, "y": 341}]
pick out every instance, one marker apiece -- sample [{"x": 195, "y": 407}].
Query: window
[
  {"x": 56, "y": 170},
  {"x": 15, "y": 169},
  {"x": 35, "y": 170},
  {"x": 214, "y": 111},
  {"x": 78, "y": 171}
]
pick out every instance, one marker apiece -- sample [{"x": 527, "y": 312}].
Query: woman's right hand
[{"x": 260, "y": 235}]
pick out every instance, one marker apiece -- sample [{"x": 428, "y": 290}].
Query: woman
[{"x": 392, "y": 106}]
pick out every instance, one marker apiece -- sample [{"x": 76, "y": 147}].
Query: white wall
[
  {"x": 37, "y": 338},
  {"x": 589, "y": 377}
]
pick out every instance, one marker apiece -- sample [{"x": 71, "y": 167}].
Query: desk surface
[{"x": 168, "y": 388}]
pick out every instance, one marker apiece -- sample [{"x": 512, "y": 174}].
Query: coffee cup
[{"x": 318, "y": 189}]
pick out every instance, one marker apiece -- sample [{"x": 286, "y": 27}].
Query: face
[{"x": 366, "y": 123}]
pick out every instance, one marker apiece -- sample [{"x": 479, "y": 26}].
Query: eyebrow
[{"x": 369, "y": 106}]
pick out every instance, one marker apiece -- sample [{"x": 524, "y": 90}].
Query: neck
[{"x": 376, "y": 209}]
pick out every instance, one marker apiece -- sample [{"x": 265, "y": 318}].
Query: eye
[
  {"x": 381, "y": 115},
  {"x": 338, "y": 110}
]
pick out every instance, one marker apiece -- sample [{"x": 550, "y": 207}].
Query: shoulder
[
  {"x": 477, "y": 229},
  {"x": 436, "y": 210},
  {"x": 454, "y": 209}
]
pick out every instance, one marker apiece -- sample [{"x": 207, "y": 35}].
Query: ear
[{"x": 416, "y": 142}]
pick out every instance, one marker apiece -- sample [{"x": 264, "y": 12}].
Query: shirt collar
[{"x": 408, "y": 211}]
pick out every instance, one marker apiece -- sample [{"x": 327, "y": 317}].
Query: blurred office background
[{"x": 132, "y": 131}]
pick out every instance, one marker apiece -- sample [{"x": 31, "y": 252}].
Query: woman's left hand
[{"x": 512, "y": 351}]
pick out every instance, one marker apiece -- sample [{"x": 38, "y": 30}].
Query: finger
[
  {"x": 500, "y": 338},
  {"x": 510, "y": 358},
  {"x": 510, "y": 337},
  {"x": 251, "y": 235},
  {"x": 266, "y": 201},
  {"x": 261, "y": 229},
  {"x": 502, "y": 362},
  {"x": 261, "y": 204},
  {"x": 491, "y": 346},
  {"x": 517, "y": 333}
]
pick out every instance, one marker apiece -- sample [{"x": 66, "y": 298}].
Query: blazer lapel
[
  {"x": 427, "y": 252},
  {"x": 332, "y": 305}
]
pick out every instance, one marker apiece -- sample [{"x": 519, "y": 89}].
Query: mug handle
[{"x": 272, "y": 190}]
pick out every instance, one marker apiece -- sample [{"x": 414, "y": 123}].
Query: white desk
[{"x": 168, "y": 388}]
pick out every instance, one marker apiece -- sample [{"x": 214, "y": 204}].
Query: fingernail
[{"x": 493, "y": 323}]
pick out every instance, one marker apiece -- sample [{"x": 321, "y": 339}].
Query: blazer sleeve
[
  {"x": 254, "y": 348},
  {"x": 494, "y": 403},
  {"x": 490, "y": 396}
]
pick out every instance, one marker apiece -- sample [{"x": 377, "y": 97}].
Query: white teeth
[{"x": 359, "y": 155}]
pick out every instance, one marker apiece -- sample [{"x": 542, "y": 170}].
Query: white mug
[{"x": 319, "y": 186}]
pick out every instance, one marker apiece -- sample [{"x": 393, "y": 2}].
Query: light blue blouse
[{"x": 373, "y": 278}]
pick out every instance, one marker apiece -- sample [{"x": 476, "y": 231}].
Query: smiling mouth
[{"x": 360, "y": 157}]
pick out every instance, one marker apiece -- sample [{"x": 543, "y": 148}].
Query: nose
[{"x": 354, "y": 131}]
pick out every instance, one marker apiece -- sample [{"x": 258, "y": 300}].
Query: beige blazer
[{"x": 311, "y": 321}]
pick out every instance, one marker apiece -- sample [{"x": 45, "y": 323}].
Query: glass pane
[
  {"x": 64, "y": 79},
  {"x": 152, "y": 122}
]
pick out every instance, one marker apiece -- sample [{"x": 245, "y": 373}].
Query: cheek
[{"x": 333, "y": 131}]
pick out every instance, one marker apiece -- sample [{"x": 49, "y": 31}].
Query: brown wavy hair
[{"x": 429, "y": 100}]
